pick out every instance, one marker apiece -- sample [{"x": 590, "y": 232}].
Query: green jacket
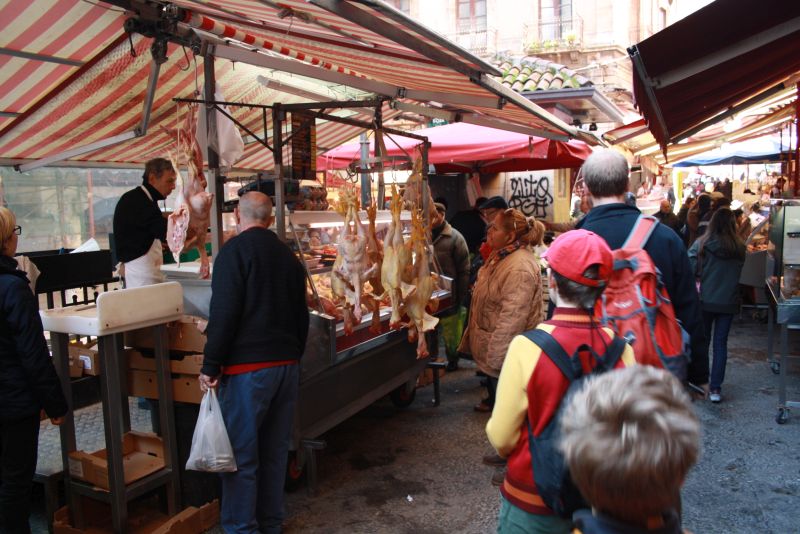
[
  {"x": 719, "y": 276},
  {"x": 453, "y": 257}
]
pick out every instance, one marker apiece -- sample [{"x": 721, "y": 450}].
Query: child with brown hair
[{"x": 629, "y": 438}]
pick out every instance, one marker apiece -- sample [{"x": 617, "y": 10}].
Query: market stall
[{"x": 123, "y": 95}]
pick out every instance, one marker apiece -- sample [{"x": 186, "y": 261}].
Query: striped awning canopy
[{"x": 72, "y": 78}]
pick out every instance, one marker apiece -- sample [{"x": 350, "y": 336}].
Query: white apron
[{"x": 145, "y": 270}]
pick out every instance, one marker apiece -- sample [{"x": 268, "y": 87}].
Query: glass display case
[
  {"x": 754, "y": 272},
  {"x": 783, "y": 261},
  {"x": 314, "y": 236}
]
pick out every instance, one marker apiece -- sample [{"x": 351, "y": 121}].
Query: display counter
[
  {"x": 783, "y": 284},
  {"x": 341, "y": 372}
]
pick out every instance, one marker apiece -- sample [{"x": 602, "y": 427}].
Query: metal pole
[
  {"x": 278, "y": 115},
  {"x": 426, "y": 192},
  {"x": 380, "y": 146},
  {"x": 215, "y": 184},
  {"x": 366, "y": 183}
]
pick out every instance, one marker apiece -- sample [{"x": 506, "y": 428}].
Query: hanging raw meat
[
  {"x": 396, "y": 259},
  {"x": 353, "y": 269},
  {"x": 187, "y": 226},
  {"x": 375, "y": 257},
  {"x": 417, "y": 296}
]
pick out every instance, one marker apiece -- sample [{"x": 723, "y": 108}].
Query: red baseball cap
[{"x": 575, "y": 251}]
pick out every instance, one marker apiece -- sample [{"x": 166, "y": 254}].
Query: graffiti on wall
[{"x": 531, "y": 195}]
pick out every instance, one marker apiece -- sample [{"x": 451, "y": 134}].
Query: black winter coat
[
  {"x": 28, "y": 380},
  {"x": 613, "y": 222}
]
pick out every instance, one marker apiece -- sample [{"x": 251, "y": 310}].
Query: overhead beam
[
  {"x": 139, "y": 131},
  {"x": 64, "y": 84},
  {"x": 40, "y": 57},
  {"x": 396, "y": 33},
  {"x": 641, "y": 72},
  {"x": 512, "y": 96},
  {"x": 253, "y": 57},
  {"x": 479, "y": 120},
  {"x": 731, "y": 111},
  {"x": 405, "y": 20},
  {"x": 284, "y": 87},
  {"x": 425, "y": 111},
  {"x": 78, "y": 151}
]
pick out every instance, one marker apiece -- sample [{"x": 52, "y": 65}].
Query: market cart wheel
[
  {"x": 403, "y": 396},
  {"x": 783, "y": 416},
  {"x": 295, "y": 473},
  {"x": 776, "y": 367}
]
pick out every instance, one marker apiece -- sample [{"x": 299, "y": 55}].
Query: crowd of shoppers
[{"x": 525, "y": 386}]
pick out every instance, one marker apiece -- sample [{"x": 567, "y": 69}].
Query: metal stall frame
[{"x": 363, "y": 368}]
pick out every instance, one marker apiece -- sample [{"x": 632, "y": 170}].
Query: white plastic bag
[{"x": 211, "y": 449}]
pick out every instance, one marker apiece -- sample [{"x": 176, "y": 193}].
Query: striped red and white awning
[{"x": 71, "y": 76}]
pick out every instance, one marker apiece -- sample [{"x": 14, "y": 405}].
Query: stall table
[{"x": 114, "y": 313}]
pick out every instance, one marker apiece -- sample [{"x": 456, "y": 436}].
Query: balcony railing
[
  {"x": 559, "y": 33},
  {"x": 480, "y": 42}
]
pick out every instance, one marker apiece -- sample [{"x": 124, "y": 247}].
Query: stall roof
[
  {"x": 74, "y": 78},
  {"x": 766, "y": 116},
  {"x": 763, "y": 149},
  {"x": 721, "y": 55},
  {"x": 460, "y": 148}
]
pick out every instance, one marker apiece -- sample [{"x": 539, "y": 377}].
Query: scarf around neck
[{"x": 498, "y": 255}]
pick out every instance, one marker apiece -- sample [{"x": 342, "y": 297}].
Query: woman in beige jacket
[{"x": 507, "y": 297}]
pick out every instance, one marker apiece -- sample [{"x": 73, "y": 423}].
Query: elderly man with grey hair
[
  {"x": 605, "y": 174},
  {"x": 257, "y": 329}
]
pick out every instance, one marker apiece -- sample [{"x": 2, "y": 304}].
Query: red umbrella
[{"x": 462, "y": 147}]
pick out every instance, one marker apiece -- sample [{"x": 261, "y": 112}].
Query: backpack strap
[
  {"x": 614, "y": 352},
  {"x": 641, "y": 232},
  {"x": 555, "y": 352}
]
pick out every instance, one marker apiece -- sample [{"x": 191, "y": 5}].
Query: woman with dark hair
[
  {"x": 697, "y": 219},
  {"x": 28, "y": 383},
  {"x": 717, "y": 259}
]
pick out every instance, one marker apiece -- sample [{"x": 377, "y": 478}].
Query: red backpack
[{"x": 635, "y": 304}]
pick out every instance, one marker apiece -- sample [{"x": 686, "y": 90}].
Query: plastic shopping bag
[{"x": 211, "y": 449}]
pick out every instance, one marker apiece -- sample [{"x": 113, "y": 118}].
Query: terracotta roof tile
[{"x": 531, "y": 73}]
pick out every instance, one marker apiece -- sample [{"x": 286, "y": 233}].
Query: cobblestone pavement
[{"x": 419, "y": 470}]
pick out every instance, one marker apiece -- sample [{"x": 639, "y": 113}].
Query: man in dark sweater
[
  {"x": 605, "y": 174},
  {"x": 257, "y": 329},
  {"x": 667, "y": 218},
  {"x": 140, "y": 227}
]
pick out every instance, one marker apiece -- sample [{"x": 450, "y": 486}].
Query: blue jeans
[
  {"x": 513, "y": 520},
  {"x": 258, "y": 408},
  {"x": 721, "y": 324}
]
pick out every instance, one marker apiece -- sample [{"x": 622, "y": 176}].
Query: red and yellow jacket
[{"x": 532, "y": 387}]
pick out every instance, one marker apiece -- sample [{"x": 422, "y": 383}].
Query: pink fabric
[{"x": 462, "y": 147}]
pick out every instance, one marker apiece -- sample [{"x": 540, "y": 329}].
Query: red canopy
[
  {"x": 462, "y": 147},
  {"x": 719, "y": 57}
]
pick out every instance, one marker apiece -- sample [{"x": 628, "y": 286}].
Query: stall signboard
[{"x": 304, "y": 146}]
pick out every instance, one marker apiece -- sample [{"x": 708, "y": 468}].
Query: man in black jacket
[
  {"x": 257, "y": 329},
  {"x": 140, "y": 227},
  {"x": 605, "y": 174}
]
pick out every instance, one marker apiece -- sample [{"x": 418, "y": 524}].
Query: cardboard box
[
  {"x": 85, "y": 356},
  {"x": 185, "y": 388},
  {"x": 144, "y": 517},
  {"x": 75, "y": 367},
  {"x": 183, "y": 336},
  {"x": 190, "y": 364},
  {"x": 142, "y": 455}
]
